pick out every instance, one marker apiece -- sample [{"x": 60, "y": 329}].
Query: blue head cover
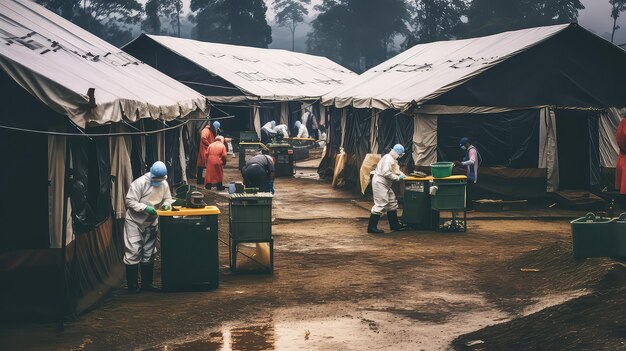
[
  {"x": 158, "y": 173},
  {"x": 298, "y": 124},
  {"x": 463, "y": 141},
  {"x": 273, "y": 124},
  {"x": 399, "y": 149},
  {"x": 216, "y": 125}
]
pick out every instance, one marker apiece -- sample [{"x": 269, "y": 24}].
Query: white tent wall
[
  {"x": 284, "y": 114},
  {"x": 56, "y": 191},
  {"x": 424, "y": 139}
]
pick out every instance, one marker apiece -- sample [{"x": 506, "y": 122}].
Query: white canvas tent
[
  {"x": 56, "y": 77},
  {"x": 554, "y": 71}
]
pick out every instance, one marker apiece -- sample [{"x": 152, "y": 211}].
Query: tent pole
[{"x": 65, "y": 291}]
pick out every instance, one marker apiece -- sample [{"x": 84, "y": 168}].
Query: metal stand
[
  {"x": 233, "y": 249},
  {"x": 458, "y": 221}
]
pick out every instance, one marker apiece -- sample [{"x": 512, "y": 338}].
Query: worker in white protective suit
[
  {"x": 387, "y": 171},
  {"x": 267, "y": 131},
  {"x": 282, "y": 129},
  {"x": 302, "y": 131},
  {"x": 146, "y": 194}
]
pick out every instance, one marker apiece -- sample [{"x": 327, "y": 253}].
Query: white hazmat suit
[
  {"x": 282, "y": 129},
  {"x": 140, "y": 228},
  {"x": 387, "y": 171},
  {"x": 302, "y": 131}
]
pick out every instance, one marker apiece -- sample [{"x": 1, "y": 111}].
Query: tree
[
  {"x": 357, "y": 33},
  {"x": 494, "y": 16},
  {"x": 156, "y": 9},
  {"x": 290, "y": 13},
  {"x": 617, "y": 7},
  {"x": 240, "y": 22},
  {"x": 434, "y": 20},
  {"x": 109, "y": 19}
]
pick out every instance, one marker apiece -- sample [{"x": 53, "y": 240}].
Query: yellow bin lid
[{"x": 185, "y": 211}]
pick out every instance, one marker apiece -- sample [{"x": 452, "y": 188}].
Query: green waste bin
[
  {"x": 283, "y": 154},
  {"x": 189, "y": 251},
  {"x": 248, "y": 151},
  {"x": 251, "y": 217},
  {"x": 450, "y": 193},
  {"x": 416, "y": 203},
  {"x": 618, "y": 239},
  {"x": 591, "y": 236}
]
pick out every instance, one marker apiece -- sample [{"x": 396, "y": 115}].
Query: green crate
[
  {"x": 449, "y": 196},
  {"x": 416, "y": 205},
  {"x": 251, "y": 219},
  {"x": 618, "y": 238},
  {"x": 591, "y": 236},
  {"x": 189, "y": 252}
]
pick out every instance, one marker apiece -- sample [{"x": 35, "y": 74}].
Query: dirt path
[{"x": 337, "y": 288}]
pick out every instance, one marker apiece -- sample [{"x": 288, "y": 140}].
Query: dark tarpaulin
[
  {"x": 356, "y": 144},
  {"x": 295, "y": 113},
  {"x": 269, "y": 111},
  {"x": 509, "y": 139},
  {"x": 573, "y": 68},
  {"x": 395, "y": 129},
  {"x": 333, "y": 133},
  {"x": 90, "y": 192},
  {"x": 195, "y": 130},
  {"x": 594, "y": 151}
]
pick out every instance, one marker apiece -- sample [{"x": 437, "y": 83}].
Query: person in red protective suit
[
  {"x": 216, "y": 160},
  {"x": 206, "y": 138},
  {"x": 620, "y": 169}
]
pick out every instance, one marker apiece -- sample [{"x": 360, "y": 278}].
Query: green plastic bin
[
  {"x": 416, "y": 203},
  {"x": 618, "y": 238},
  {"x": 450, "y": 195},
  {"x": 251, "y": 217},
  {"x": 189, "y": 249},
  {"x": 283, "y": 154},
  {"x": 441, "y": 169},
  {"x": 592, "y": 236}
]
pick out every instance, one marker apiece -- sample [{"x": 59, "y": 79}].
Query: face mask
[
  {"x": 156, "y": 184},
  {"x": 463, "y": 147}
]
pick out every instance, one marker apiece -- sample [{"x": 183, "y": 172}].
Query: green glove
[
  {"x": 150, "y": 210},
  {"x": 166, "y": 207}
]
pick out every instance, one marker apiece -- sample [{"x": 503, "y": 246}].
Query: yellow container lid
[
  {"x": 185, "y": 211},
  {"x": 454, "y": 177}
]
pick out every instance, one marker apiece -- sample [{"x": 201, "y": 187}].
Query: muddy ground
[{"x": 506, "y": 284}]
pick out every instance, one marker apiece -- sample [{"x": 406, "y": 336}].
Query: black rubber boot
[
  {"x": 394, "y": 224},
  {"x": 147, "y": 273},
  {"x": 372, "y": 227},
  {"x": 132, "y": 273}
]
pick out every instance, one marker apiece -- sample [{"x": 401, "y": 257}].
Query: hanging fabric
[
  {"x": 256, "y": 120},
  {"x": 548, "y": 152},
  {"x": 374, "y": 132},
  {"x": 606, "y": 134},
  {"x": 56, "y": 192},
  {"x": 284, "y": 113},
  {"x": 424, "y": 139},
  {"x": 121, "y": 169}
]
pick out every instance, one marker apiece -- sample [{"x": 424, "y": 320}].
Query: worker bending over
[
  {"x": 216, "y": 160},
  {"x": 146, "y": 194},
  {"x": 302, "y": 131},
  {"x": 266, "y": 131},
  {"x": 283, "y": 130},
  {"x": 259, "y": 173},
  {"x": 387, "y": 171}
]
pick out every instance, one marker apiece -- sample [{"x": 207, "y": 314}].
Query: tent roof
[
  {"x": 58, "y": 62},
  {"x": 426, "y": 71},
  {"x": 267, "y": 74}
]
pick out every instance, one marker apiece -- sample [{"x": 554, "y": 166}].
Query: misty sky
[{"x": 595, "y": 17}]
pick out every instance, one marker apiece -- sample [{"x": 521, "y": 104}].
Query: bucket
[{"x": 441, "y": 169}]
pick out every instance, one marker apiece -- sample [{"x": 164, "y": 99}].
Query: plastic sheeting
[
  {"x": 56, "y": 192},
  {"x": 334, "y": 135},
  {"x": 368, "y": 166}
]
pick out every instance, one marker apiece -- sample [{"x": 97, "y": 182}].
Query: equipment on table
[
  {"x": 594, "y": 236},
  {"x": 250, "y": 221},
  {"x": 283, "y": 154},
  {"x": 189, "y": 250},
  {"x": 248, "y": 150},
  {"x": 417, "y": 212},
  {"x": 188, "y": 196}
]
